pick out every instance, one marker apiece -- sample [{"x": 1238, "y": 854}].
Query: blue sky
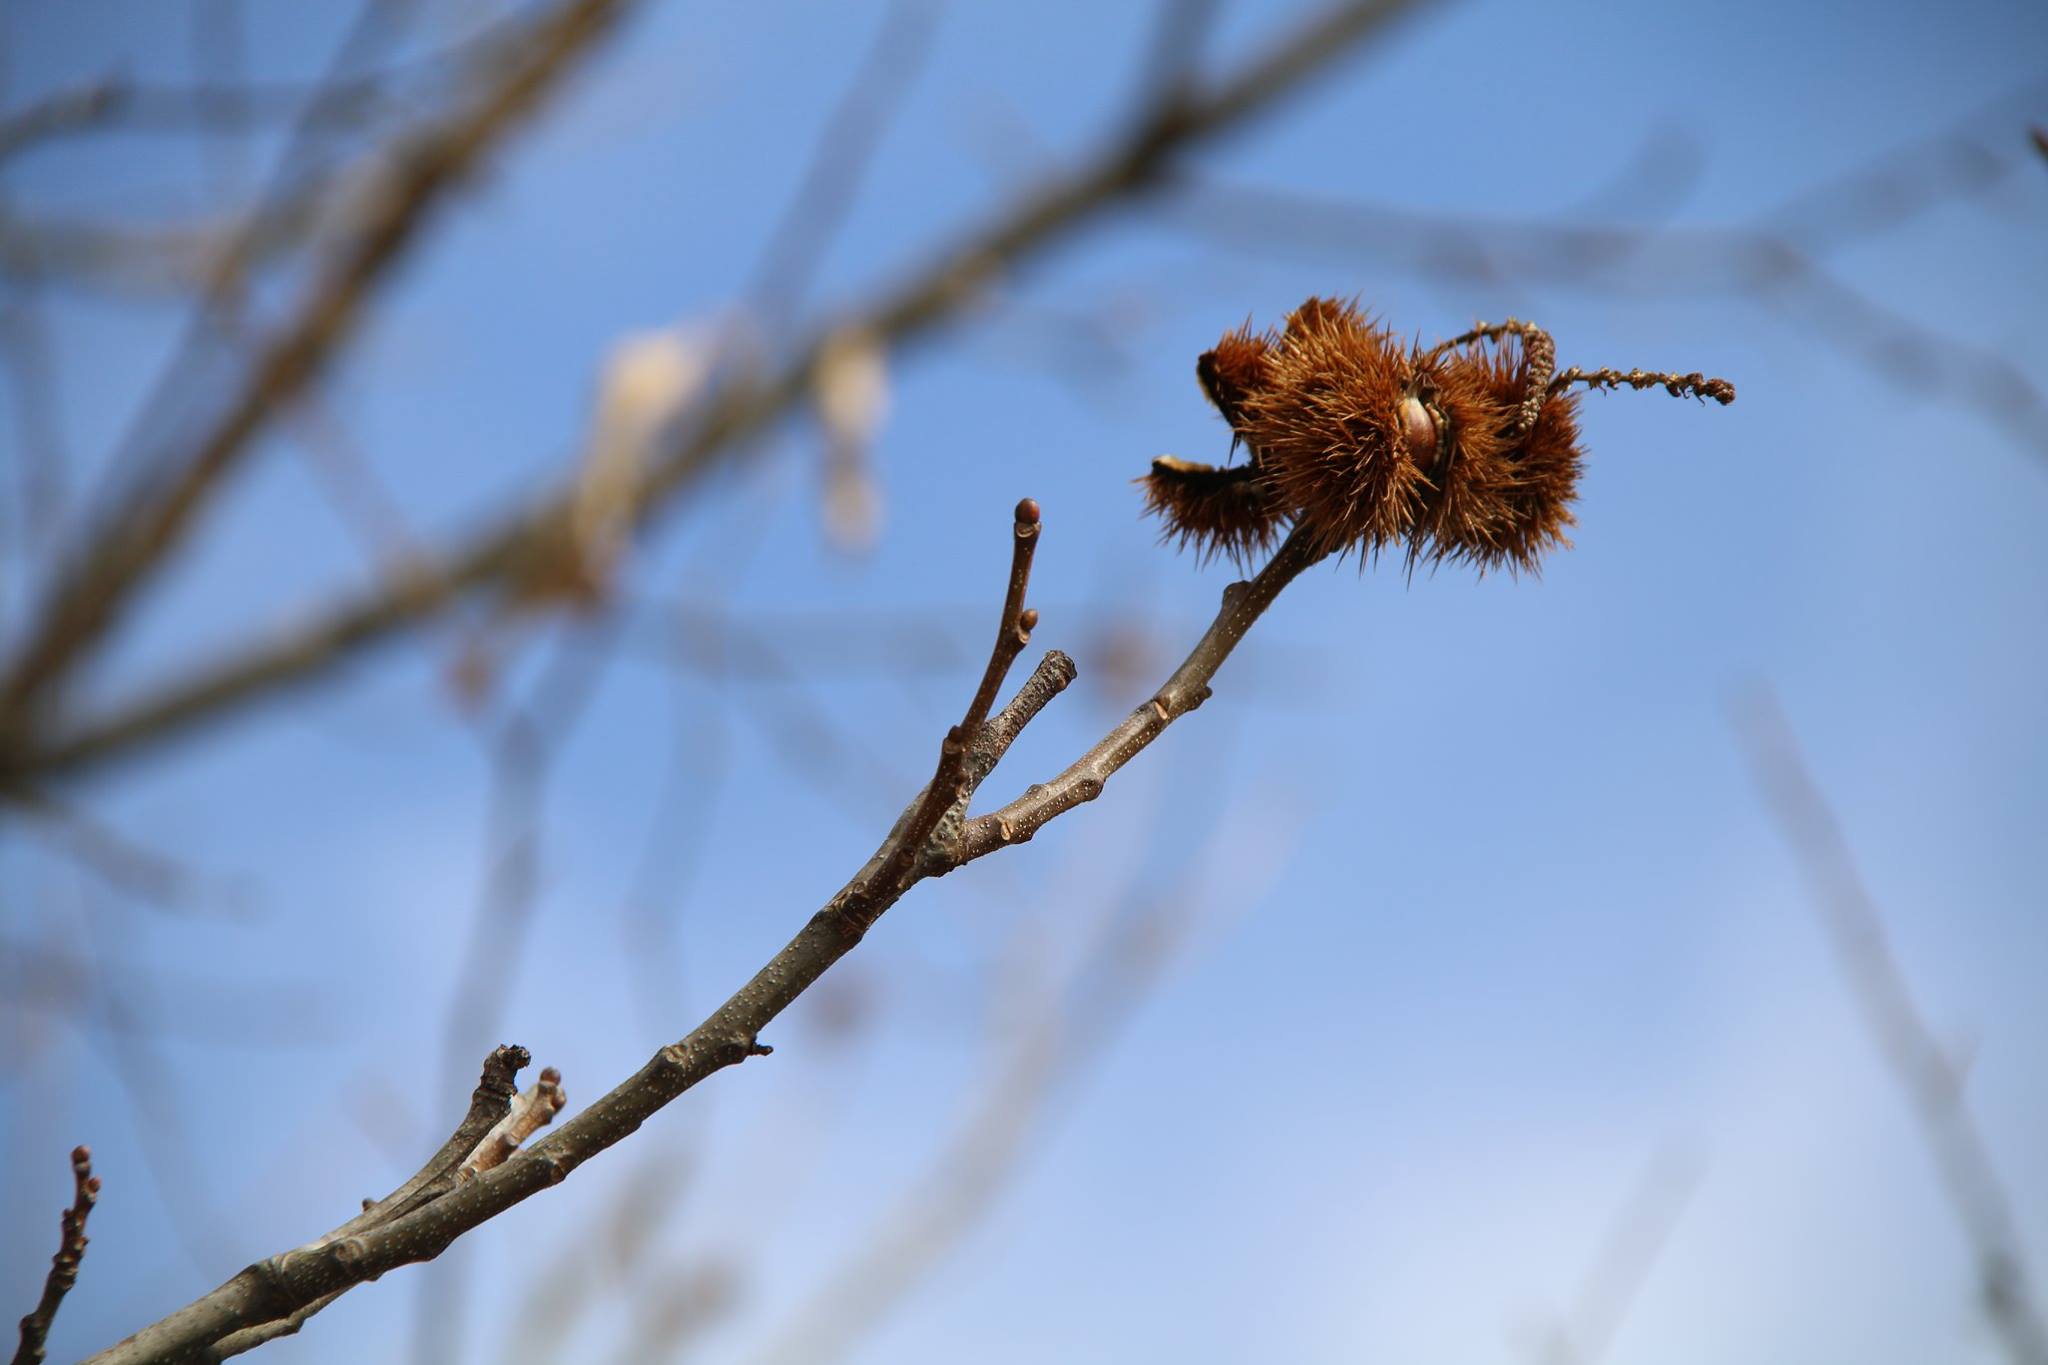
[{"x": 1487, "y": 917}]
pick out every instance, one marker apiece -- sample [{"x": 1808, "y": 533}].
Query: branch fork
[{"x": 922, "y": 841}]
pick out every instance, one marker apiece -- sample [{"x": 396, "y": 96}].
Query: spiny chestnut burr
[
  {"x": 1230, "y": 511},
  {"x": 1467, "y": 450}
]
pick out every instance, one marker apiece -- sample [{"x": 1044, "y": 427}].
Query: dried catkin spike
[{"x": 1694, "y": 385}]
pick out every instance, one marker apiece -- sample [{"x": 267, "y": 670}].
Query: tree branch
[{"x": 301, "y": 1281}]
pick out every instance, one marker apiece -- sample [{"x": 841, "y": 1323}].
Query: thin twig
[
  {"x": 847, "y": 142},
  {"x": 949, "y": 787},
  {"x": 1129, "y": 167},
  {"x": 1185, "y": 690},
  {"x": 1923, "y": 1070},
  {"x": 35, "y": 1328}
]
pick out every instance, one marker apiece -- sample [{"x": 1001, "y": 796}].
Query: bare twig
[
  {"x": 284, "y": 1286},
  {"x": 35, "y": 1328},
  {"x": 1923, "y": 1070},
  {"x": 1130, "y": 167},
  {"x": 951, "y": 784},
  {"x": 1186, "y": 689}
]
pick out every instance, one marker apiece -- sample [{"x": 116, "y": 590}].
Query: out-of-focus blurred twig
[
  {"x": 106, "y": 105},
  {"x": 514, "y": 553},
  {"x": 1776, "y": 261},
  {"x": 1932, "y": 1083},
  {"x": 147, "y": 524},
  {"x": 1066, "y": 1028},
  {"x": 847, "y": 140},
  {"x": 1622, "y": 1265},
  {"x": 115, "y": 104},
  {"x": 1179, "y": 35}
]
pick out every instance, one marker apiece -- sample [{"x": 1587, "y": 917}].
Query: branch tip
[
  {"x": 530, "y": 1111},
  {"x": 35, "y": 1328}
]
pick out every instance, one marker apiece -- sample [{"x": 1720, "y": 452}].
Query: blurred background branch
[
  {"x": 522, "y": 555},
  {"x": 1932, "y": 1079}
]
